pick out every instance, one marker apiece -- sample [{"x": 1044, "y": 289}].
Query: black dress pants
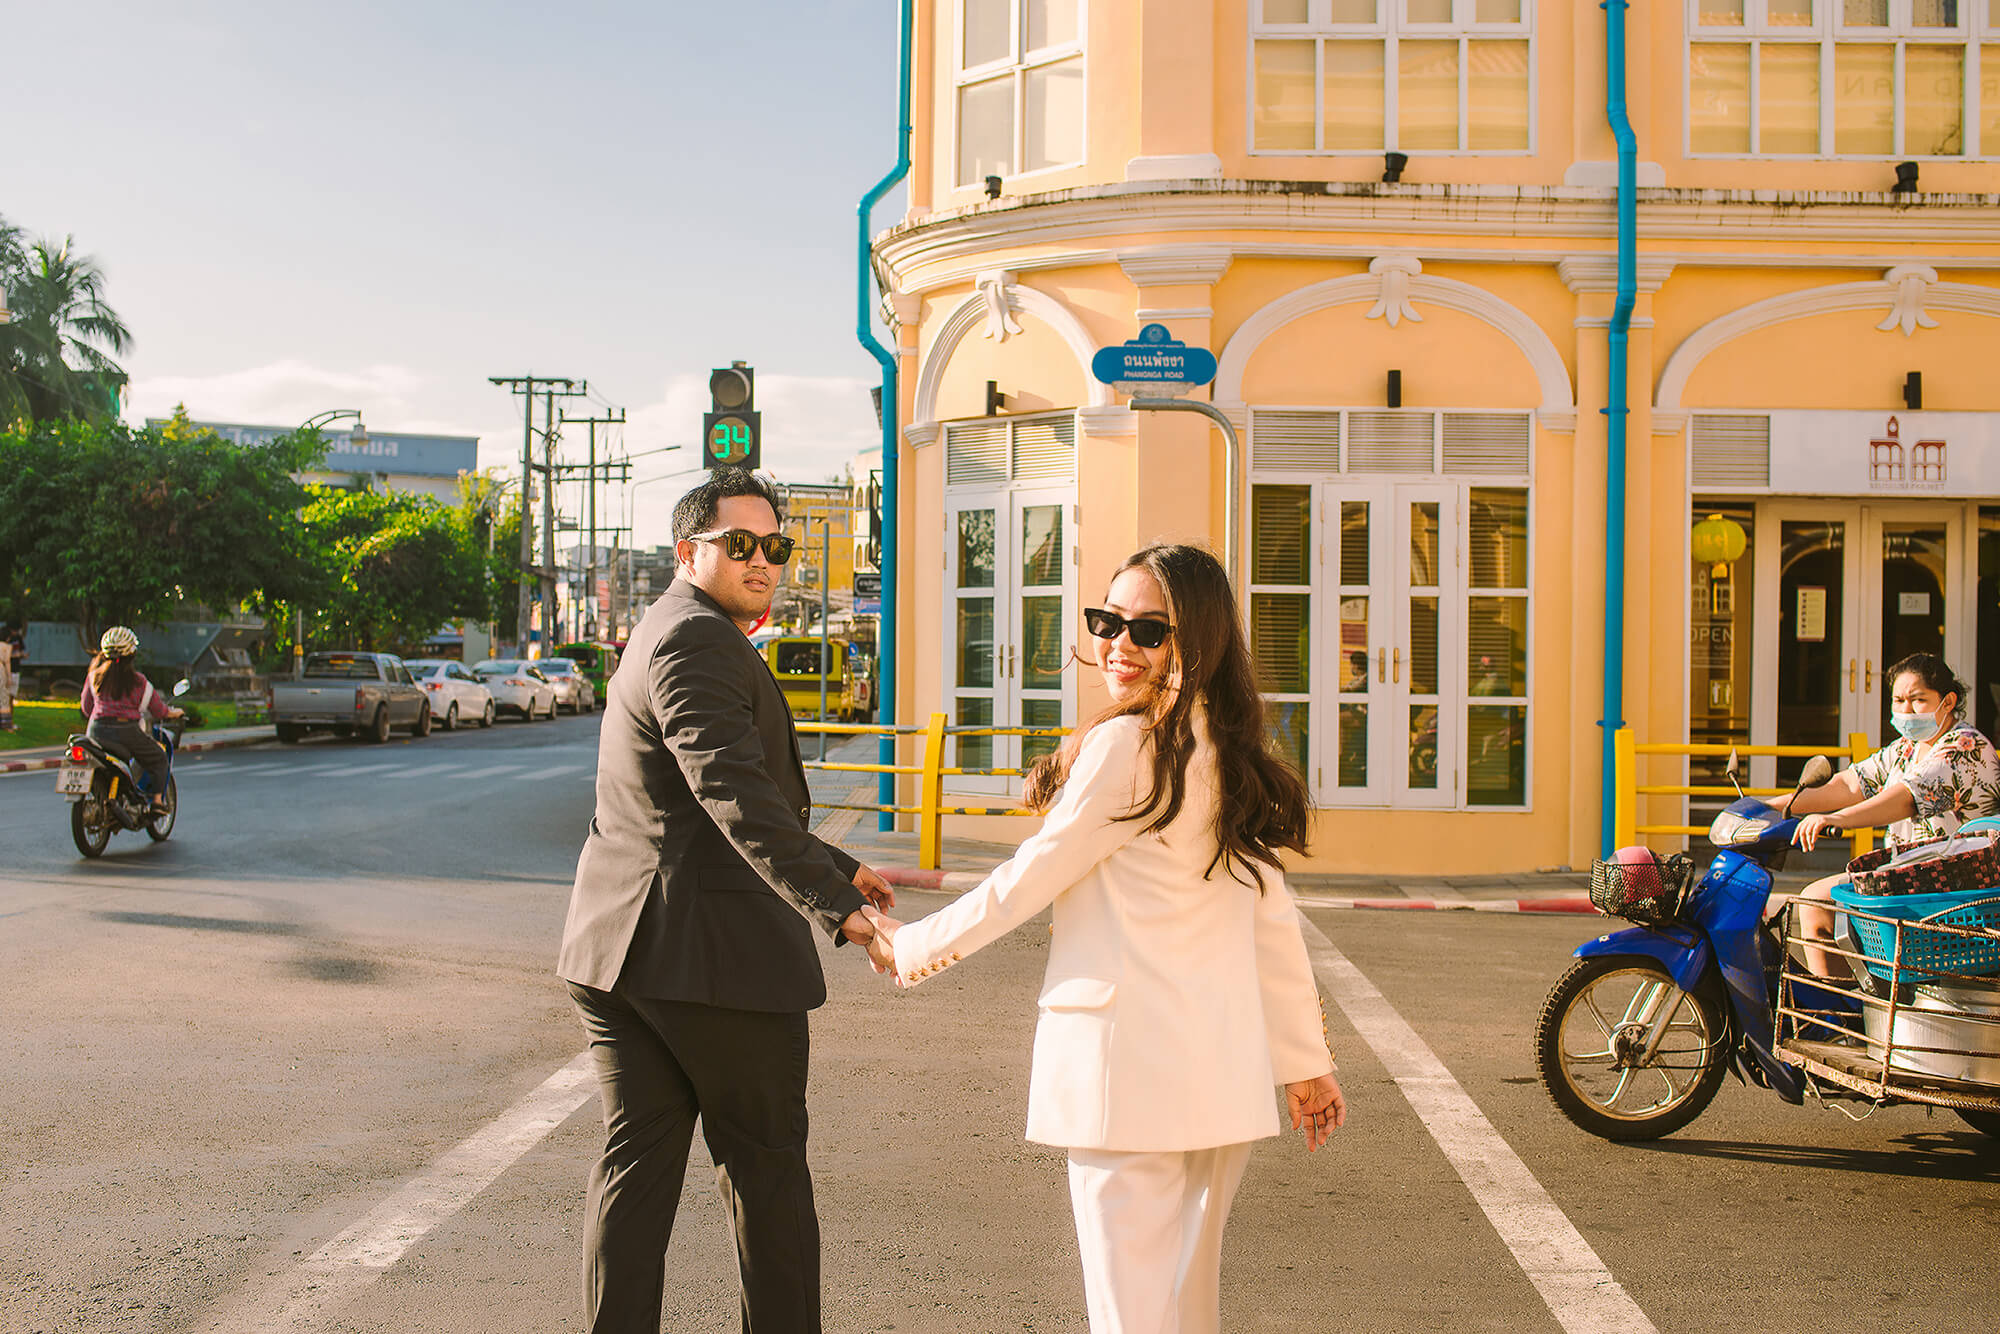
[{"x": 660, "y": 1065}]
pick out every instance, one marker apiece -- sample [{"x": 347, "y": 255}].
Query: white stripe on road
[
  {"x": 356, "y": 770},
  {"x": 552, "y": 771},
  {"x": 364, "y": 1252},
  {"x": 499, "y": 769},
  {"x": 422, "y": 769},
  {"x": 1579, "y": 1290}
]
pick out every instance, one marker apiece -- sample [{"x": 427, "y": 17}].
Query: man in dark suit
[{"x": 689, "y": 949}]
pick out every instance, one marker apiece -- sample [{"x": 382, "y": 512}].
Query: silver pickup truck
[{"x": 350, "y": 694}]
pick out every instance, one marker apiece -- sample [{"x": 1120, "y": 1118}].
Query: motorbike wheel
[
  {"x": 451, "y": 717},
  {"x": 423, "y": 727},
  {"x": 486, "y": 719},
  {"x": 1589, "y": 1048},
  {"x": 91, "y": 839},
  {"x": 161, "y": 827},
  {"x": 1986, "y": 1123},
  {"x": 378, "y": 731}
]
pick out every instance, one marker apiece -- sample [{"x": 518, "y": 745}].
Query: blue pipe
[
  {"x": 864, "y": 330},
  {"x": 1616, "y": 410}
]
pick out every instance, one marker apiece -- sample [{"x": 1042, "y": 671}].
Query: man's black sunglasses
[
  {"x": 1106, "y": 625},
  {"x": 738, "y": 543}
]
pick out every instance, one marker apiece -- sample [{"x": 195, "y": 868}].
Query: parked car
[
  {"x": 457, "y": 696},
  {"x": 597, "y": 661},
  {"x": 351, "y": 694},
  {"x": 573, "y": 688},
  {"x": 518, "y": 686}
]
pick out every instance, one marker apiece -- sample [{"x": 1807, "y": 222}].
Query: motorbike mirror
[
  {"x": 1818, "y": 772},
  {"x": 182, "y": 687},
  {"x": 1732, "y": 769}
]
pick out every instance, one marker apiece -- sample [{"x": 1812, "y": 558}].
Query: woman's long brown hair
[
  {"x": 1263, "y": 807},
  {"x": 113, "y": 678}
]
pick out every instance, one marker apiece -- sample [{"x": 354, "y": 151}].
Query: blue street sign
[{"x": 1153, "y": 358}]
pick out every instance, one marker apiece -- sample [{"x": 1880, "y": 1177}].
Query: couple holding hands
[{"x": 1178, "y": 989}]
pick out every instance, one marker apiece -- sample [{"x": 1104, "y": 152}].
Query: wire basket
[
  {"x": 1911, "y": 928},
  {"x": 1646, "y": 892}
]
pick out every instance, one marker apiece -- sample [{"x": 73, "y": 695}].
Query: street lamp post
[{"x": 314, "y": 423}]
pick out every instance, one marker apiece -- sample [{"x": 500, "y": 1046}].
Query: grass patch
[{"x": 50, "y": 722}]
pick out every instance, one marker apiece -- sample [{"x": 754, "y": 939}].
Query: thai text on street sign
[{"x": 1154, "y": 363}]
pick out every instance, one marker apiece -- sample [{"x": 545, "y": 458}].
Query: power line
[{"x": 524, "y": 385}]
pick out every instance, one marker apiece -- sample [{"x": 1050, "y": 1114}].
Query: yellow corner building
[{"x": 1395, "y": 224}]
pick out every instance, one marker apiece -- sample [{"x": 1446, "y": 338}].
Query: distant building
[{"x": 394, "y": 461}]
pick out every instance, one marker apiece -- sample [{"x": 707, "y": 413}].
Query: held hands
[
  {"x": 882, "y": 944},
  {"x": 1317, "y": 1108},
  {"x": 873, "y": 887}
]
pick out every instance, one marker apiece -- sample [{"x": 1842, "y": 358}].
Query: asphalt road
[{"x": 271, "y": 1075}]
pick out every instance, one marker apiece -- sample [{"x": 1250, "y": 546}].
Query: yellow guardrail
[
  {"x": 1625, "y": 821},
  {"x": 930, "y": 809}
]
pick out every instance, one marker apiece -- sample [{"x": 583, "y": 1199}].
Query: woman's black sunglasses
[
  {"x": 1106, "y": 625},
  {"x": 738, "y": 543}
]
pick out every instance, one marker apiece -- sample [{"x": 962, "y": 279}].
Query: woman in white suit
[{"x": 1178, "y": 990}]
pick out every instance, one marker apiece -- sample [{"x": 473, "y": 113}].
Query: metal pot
[{"x": 1943, "y": 1017}]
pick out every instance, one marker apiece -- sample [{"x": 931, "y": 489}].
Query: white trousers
[{"x": 1149, "y": 1226}]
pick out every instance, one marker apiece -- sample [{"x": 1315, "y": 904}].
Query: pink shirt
[{"x": 122, "y": 710}]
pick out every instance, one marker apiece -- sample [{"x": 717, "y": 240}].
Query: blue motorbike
[{"x": 1636, "y": 1037}]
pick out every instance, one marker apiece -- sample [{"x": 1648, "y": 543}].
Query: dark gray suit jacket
[{"x": 698, "y": 880}]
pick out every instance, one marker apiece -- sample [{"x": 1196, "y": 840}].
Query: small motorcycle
[
  {"x": 105, "y": 791},
  {"x": 1635, "y": 1038}
]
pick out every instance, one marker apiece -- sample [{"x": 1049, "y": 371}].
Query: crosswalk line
[
  {"x": 421, "y": 770},
  {"x": 553, "y": 771}
]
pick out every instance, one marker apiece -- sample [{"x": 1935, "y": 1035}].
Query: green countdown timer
[{"x": 729, "y": 440}]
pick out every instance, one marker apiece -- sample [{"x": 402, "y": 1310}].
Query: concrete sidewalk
[{"x": 218, "y": 738}]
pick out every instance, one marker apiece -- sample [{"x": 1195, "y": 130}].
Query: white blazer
[{"x": 1172, "y": 1003}]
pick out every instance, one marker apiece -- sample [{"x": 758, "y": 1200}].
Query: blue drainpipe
[
  {"x": 1616, "y": 411},
  {"x": 864, "y": 330}
]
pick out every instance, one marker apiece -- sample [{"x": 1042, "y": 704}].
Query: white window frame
[
  {"x": 1390, "y": 28},
  {"x": 1006, "y": 497},
  {"x": 1978, "y": 25},
  {"x": 1322, "y": 693},
  {"x": 1015, "y": 66}
]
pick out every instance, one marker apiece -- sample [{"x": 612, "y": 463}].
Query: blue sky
[{"x": 378, "y": 206}]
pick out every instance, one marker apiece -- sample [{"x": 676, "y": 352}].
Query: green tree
[
  {"x": 56, "y": 348},
  {"x": 394, "y": 568},
  {"x": 103, "y": 524},
  {"x": 493, "y": 516}
]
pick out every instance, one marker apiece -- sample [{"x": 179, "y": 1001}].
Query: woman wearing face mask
[
  {"x": 1178, "y": 989},
  {"x": 1940, "y": 772}
]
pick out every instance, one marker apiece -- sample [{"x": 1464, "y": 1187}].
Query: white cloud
[{"x": 286, "y": 392}]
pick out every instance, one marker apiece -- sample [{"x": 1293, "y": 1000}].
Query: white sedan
[
  {"x": 518, "y": 686},
  {"x": 573, "y": 689},
  {"x": 457, "y": 696}
]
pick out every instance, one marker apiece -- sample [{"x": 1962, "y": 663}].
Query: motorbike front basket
[{"x": 1648, "y": 893}]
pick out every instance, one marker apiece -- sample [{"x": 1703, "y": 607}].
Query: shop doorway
[{"x": 1844, "y": 590}]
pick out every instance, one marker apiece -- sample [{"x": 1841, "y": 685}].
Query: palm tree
[{"x": 56, "y": 349}]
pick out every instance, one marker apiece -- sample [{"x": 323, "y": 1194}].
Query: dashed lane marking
[
  {"x": 334, "y": 1273},
  {"x": 1577, "y": 1287}
]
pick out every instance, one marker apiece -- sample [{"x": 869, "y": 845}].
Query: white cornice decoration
[
  {"x": 1970, "y": 298},
  {"x": 1175, "y": 266},
  {"x": 1151, "y": 314},
  {"x": 1174, "y": 167},
  {"x": 1028, "y": 301},
  {"x": 1236, "y": 410},
  {"x": 1392, "y": 299},
  {"x": 1550, "y": 374},
  {"x": 993, "y": 288},
  {"x": 905, "y": 307},
  {"x": 1108, "y": 421},
  {"x": 1669, "y": 423},
  {"x": 920, "y": 434},
  {"x": 1461, "y": 223},
  {"x": 1599, "y": 273},
  {"x": 1906, "y": 312},
  {"x": 1562, "y": 423}
]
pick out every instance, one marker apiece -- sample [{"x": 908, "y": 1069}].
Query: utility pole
[
  {"x": 524, "y": 385},
  {"x": 590, "y": 502}
]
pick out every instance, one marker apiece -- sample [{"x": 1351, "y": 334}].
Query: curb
[
  {"x": 914, "y": 877},
  {"x": 187, "y": 748}
]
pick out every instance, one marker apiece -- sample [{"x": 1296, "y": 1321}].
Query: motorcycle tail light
[{"x": 78, "y": 754}]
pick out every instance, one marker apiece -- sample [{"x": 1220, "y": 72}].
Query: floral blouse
[{"x": 1958, "y": 781}]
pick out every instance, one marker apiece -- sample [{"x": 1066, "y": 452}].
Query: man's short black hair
[{"x": 695, "y": 511}]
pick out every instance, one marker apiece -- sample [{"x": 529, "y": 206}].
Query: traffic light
[{"x": 732, "y": 429}]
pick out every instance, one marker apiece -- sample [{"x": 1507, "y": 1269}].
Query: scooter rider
[
  {"x": 118, "y": 700},
  {"x": 1939, "y": 773}
]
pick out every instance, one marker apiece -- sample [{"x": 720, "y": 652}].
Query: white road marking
[
  {"x": 422, "y": 769},
  {"x": 497, "y": 770},
  {"x": 364, "y": 1252},
  {"x": 1579, "y": 1290},
  {"x": 551, "y": 771},
  {"x": 356, "y": 770}
]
